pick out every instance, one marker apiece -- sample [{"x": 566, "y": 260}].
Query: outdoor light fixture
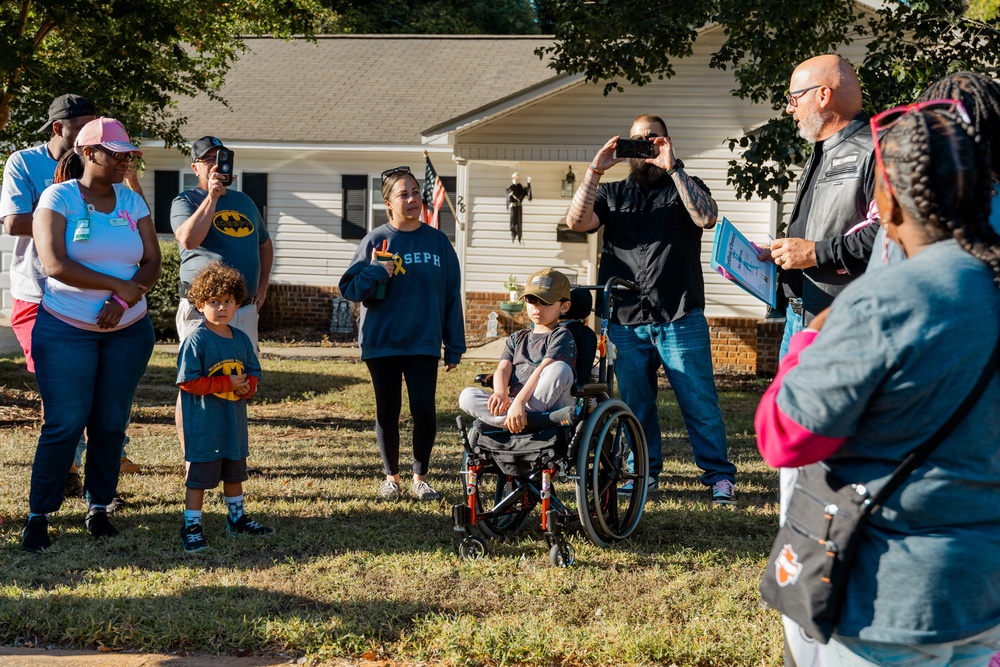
[{"x": 569, "y": 183}]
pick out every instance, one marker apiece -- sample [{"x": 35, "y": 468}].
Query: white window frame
[{"x": 185, "y": 178}]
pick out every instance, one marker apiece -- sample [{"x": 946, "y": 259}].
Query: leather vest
[{"x": 842, "y": 189}]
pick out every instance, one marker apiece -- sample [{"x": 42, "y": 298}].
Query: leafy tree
[
  {"x": 437, "y": 17},
  {"x": 911, "y": 45},
  {"x": 131, "y": 59}
]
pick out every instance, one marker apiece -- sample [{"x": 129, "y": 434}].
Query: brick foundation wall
[
  {"x": 734, "y": 344},
  {"x": 741, "y": 345},
  {"x": 768, "y": 343},
  {"x": 304, "y": 307}
]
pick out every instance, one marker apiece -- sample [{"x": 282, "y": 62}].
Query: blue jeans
[
  {"x": 81, "y": 449},
  {"x": 794, "y": 323},
  {"x": 974, "y": 651},
  {"x": 87, "y": 380},
  {"x": 683, "y": 349}
]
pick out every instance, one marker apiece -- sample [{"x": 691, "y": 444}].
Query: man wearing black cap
[
  {"x": 214, "y": 223},
  {"x": 25, "y": 175}
]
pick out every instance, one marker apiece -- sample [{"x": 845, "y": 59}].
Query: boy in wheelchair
[
  {"x": 532, "y": 382},
  {"x": 552, "y": 429}
]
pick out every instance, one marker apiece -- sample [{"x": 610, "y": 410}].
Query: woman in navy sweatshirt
[{"x": 406, "y": 276}]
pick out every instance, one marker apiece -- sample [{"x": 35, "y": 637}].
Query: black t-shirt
[{"x": 651, "y": 240}]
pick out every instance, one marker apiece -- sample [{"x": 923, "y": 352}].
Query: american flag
[{"x": 433, "y": 195}]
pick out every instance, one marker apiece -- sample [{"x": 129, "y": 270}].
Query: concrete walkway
[{"x": 35, "y": 657}]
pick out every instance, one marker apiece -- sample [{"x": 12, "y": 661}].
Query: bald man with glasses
[{"x": 818, "y": 255}]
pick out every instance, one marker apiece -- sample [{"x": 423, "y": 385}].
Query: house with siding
[{"x": 313, "y": 124}]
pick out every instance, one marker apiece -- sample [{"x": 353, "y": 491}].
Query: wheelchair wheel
[
  {"x": 611, "y": 434},
  {"x": 493, "y": 488},
  {"x": 472, "y": 548},
  {"x": 561, "y": 555}
]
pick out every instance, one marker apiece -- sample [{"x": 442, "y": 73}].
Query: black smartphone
[
  {"x": 224, "y": 161},
  {"x": 634, "y": 148}
]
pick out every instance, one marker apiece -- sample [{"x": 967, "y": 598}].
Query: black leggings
[{"x": 420, "y": 373}]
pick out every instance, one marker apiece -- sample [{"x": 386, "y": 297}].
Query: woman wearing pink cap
[{"x": 92, "y": 338}]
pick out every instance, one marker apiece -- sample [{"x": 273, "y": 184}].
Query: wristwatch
[{"x": 678, "y": 164}]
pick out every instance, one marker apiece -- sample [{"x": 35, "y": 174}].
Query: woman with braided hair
[
  {"x": 980, "y": 96},
  {"x": 881, "y": 370}
]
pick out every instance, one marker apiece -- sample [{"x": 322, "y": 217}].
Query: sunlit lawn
[{"x": 346, "y": 576}]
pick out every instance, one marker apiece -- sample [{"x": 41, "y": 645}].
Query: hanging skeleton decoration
[{"x": 515, "y": 196}]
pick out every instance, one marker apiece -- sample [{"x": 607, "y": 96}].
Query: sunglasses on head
[
  {"x": 889, "y": 117},
  {"x": 395, "y": 170}
]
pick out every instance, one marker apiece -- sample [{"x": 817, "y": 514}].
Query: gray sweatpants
[{"x": 551, "y": 393}]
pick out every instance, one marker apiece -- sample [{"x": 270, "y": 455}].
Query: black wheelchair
[{"x": 602, "y": 450}]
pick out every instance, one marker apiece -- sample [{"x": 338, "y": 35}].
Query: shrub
[{"x": 162, "y": 299}]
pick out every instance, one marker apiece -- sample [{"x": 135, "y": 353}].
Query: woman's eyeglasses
[
  {"x": 889, "y": 117},
  {"x": 395, "y": 170}
]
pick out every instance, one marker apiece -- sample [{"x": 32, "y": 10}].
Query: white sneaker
[
  {"x": 389, "y": 490},
  {"x": 423, "y": 491},
  {"x": 724, "y": 493}
]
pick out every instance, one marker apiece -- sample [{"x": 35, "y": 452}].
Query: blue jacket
[{"x": 422, "y": 307}]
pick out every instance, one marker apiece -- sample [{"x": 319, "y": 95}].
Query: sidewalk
[
  {"x": 489, "y": 352},
  {"x": 39, "y": 657}
]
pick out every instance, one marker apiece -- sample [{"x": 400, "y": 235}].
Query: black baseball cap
[
  {"x": 203, "y": 145},
  {"x": 67, "y": 106}
]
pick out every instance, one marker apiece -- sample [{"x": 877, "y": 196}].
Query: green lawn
[{"x": 346, "y": 576}]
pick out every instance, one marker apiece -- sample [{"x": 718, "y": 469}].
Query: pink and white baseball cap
[{"x": 108, "y": 133}]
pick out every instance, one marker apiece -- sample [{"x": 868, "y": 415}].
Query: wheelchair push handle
[{"x": 616, "y": 284}]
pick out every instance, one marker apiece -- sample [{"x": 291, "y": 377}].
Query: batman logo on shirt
[
  {"x": 233, "y": 223},
  {"x": 227, "y": 367}
]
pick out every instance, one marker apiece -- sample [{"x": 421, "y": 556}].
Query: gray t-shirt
[
  {"x": 902, "y": 348},
  {"x": 234, "y": 238},
  {"x": 527, "y": 350},
  {"x": 215, "y": 425},
  {"x": 26, "y": 174}
]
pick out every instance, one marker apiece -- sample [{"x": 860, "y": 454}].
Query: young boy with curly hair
[{"x": 217, "y": 372}]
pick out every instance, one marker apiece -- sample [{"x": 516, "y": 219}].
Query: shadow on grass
[{"x": 223, "y": 617}]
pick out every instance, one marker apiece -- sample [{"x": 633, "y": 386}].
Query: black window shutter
[
  {"x": 446, "y": 220},
  {"x": 354, "y": 220},
  {"x": 165, "y": 188},
  {"x": 255, "y": 187}
]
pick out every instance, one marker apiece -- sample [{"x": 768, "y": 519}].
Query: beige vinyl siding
[
  {"x": 305, "y": 200},
  {"x": 491, "y": 255}
]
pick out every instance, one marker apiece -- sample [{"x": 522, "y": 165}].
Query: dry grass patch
[{"x": 346, "y": 576}]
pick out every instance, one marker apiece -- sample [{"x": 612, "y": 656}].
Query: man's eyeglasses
[
  {"x": 651, "y": 135},
  {"x": 793, "y": 97},
  {"x": 120, "y": 157},
  {"x": 889, "y": 117},
  {"x": 395, "y": 170},
  {"x": 535, "y": 301}
]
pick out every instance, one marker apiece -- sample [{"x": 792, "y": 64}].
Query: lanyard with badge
[{"x": 82, "y": 231}]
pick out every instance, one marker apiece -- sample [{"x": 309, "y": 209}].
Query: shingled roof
[{"x": 363, "y": 89}]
